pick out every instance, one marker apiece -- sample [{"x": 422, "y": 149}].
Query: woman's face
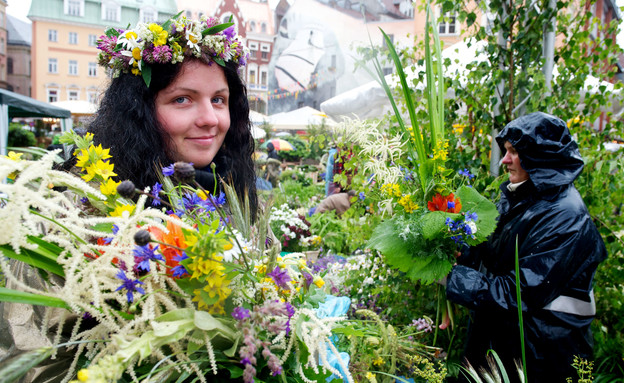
[
  {"x": 194, "y": 111},
  {"x": 512, "y": 161}
]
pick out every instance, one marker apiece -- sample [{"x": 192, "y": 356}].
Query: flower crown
[{"x": 134, "y": 50}]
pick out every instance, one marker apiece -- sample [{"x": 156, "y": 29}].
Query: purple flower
[
  {"x": 471, "y": 217},
  {"x": 130, "y": 285},
  {"x": 240, "y": 313},
  {"x": 361, "y": 196},
  {"x": 229, "y": 33},
  {"x": 466, "y": 173},
  {"x": 156, "y": 189},
  {"x": 280, "y": 277},
  {"x": 309, "y": 278},
  {"x": 162, "y": 54},
  {"x": 450, "y": 205},
  {"x": 144, "y": 254},
  {"x": 107, "y": 44},
  {"x": 291, "y": 311},
  {"x": 167, "y": 171},
  {"x": 179, "y": 271},
  {"x": 108, "y": 240}
]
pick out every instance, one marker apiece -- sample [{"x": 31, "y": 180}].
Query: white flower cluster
[{"x": 287, "y": 218}]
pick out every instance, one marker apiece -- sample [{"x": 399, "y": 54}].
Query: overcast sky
[{"x": 20, "y": 8}]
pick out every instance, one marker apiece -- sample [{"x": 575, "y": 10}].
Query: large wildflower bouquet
[
  {"x": 165, "y": 284},
  {"x": 432, "y": 212}
]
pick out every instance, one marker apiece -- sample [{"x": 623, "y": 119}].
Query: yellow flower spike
[
  {"x": 83, "y": 375},
  {"x": 109, "y": 187},
  {"x": 318, "y": 281}
]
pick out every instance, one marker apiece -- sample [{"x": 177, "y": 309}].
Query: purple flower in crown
[
  {"x": 148, "y": 53},
  {"x": 229, "y": 33},
  {"x": 162, "y": 54},
  {"x": 107, "y": 44}
]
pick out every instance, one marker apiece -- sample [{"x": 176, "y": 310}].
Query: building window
[
  {"x": 148, "y": 15},
  {"x": 93, "y": 69},
  {"x": 263, "y": 78},
  {"x": 52, "y": 95},
  {"x": 52, "y": 66},
  {"x": 263, "y": 27},
  {"x": 265, "y": 55},
  {"x": 73, "y": 68},
  {"x": 253, "y": 50},
  {"x": 252, "y": 26},
  {"x": 74, "y": 7},
  {"x": 73, "y": 95},
  {"x": 93, "y": 40},
  {"x": 2, "y": 45},
  {"x": 111, "y": 11},
  {"x": 73, "y": 38},
  {"x": 10, "y": 65},
  {"x": 252, "y": 76},
  {"x": 52, "y": 35},
  {"x": 92, "y": 96},
  {"x": 448, "y": 24}
]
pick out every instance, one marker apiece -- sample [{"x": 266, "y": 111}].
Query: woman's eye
[
  {"x": 218, "y": 100},
  {"x": 180, "y": 100}
]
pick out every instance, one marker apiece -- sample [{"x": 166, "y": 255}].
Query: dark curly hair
[{"x": 127, "y": 123}]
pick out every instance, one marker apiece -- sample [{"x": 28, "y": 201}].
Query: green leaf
[
  {"x": 167, "y": 23},
  {"x": 216, "y": 29},
  {"x": 146, "y": 73},
  {"x": 38, "y": 258},
  {"x": 13, "y": 369},
  {"x": 472, "y": 201},
  {"x": 434, "y": 222},
  {"x": 15, "y": 296}
]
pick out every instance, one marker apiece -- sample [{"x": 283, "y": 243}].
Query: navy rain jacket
[{"x": 559, "y": 249}]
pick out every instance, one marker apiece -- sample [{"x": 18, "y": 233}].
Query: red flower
[
  {"x": 448, "y": 204},
  {"x": 174, "y": 238}
]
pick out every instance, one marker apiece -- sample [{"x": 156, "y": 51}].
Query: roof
[
  {"x": 22, "y": 106},
  {"x": 46, "y": 9},
  {"x": 19, "y": 32}
]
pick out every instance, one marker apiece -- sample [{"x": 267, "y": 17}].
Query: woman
[{"x": 176, "y": 96}]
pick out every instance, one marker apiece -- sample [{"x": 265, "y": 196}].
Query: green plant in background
[
  {"x": 301, "y": 150},
  {"x": 320, "y": 139},
  {"x": 20, "y": 137}
]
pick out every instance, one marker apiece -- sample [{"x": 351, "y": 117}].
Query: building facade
[
  {"x": 64, "y": 43},
  {"x": 18, "y": 55},
  {"x": 3, "y": 45}
]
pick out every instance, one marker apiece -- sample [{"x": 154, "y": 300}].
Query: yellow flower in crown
[{"x": 160, "y": 35}]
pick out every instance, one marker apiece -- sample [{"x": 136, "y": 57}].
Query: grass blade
[
  {"x": 15, "y": 296},
  {"x": 13, "y": 369},
  {"x": 519, "y": 304},
  {"x": 34, "y": 258}
]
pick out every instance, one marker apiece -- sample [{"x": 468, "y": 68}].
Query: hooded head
[
  {"x": 270, "y": 147},
  {"x": 546, "y": 149}
]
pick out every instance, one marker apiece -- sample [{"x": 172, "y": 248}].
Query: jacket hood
[{"x": 545, "y": 147}]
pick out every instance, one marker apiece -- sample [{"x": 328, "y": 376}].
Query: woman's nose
[
  {"x": 507, "y": 158},
  {"x": 206, "y": 115}
]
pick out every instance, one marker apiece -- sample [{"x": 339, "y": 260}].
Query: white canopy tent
[
  {"x": 16, "y": 105},
  {"x": 299, "y": 119},
  {"x": 77, "y": 107},
  {"x": 370, "y": 100}
]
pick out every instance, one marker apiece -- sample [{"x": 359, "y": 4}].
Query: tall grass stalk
[{"x": 519, "y": 304}]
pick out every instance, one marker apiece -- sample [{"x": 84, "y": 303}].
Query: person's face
[
  {"x": 194, "y": 111},
  {"x": 512, "y": 161}
]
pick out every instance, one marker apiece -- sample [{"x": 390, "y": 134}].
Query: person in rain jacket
[{"x": 559, "y": 249}]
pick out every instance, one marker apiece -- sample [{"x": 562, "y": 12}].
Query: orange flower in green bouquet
[{"x": 447, "y": 204}]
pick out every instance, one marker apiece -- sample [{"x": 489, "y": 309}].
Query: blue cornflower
[
  {"x": 144, "y": 254},
  {"x": 168, "y": 171},
  {"x": 84, "y": 200},
  {"x": 468, "y": 230},
  {"x": 280, "y": 277},
  {"x": 156, "y": 189},
  {"x": 466, "y": 173},
  {"x": 240, "y": 313},
  {"x": 361, "y": 196},
  {"x": 457, "y": 239},
  {"x": 130, "y": 285},
  {"x": 450, "y": 205},
  {"x": 471, "y": 217},
  {"x": 213, "y": 203},
  {"x": 108, "y": 240},
  {"x": 179, "y": 271}
]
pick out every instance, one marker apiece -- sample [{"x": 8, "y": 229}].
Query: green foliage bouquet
[
  {"x": 171, "y": 283},
  {"x": 434, "y": 213}
]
